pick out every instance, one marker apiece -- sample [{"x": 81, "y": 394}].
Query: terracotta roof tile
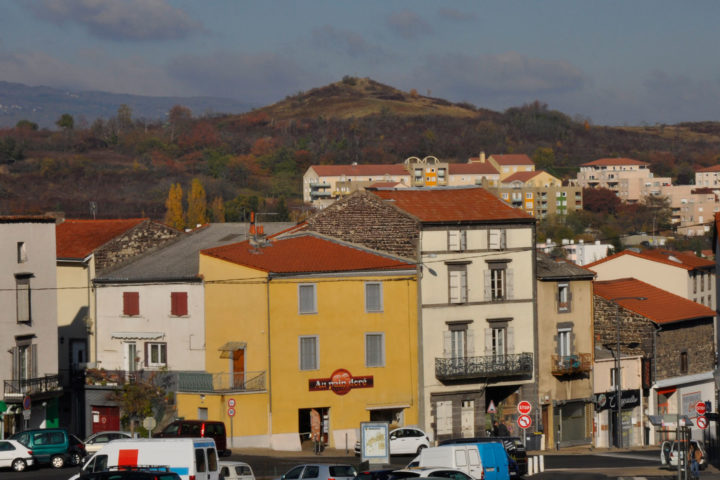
[
  {"x": 360, "y": 170},
  {"x": 614, "y": 161},
  {"x": 661, "y": 306},
  {"x": 512, "y": 159},
  {"x": 476, "y": 168},
  {"x": 714, "y": 168},
  {"x": 79, "y": 238},
  {"x": 471, "y": 204},
  {"x": 683, "y": 260},
  {"x": 522, "y": 176},
  {"x": 306, "y": 253}
]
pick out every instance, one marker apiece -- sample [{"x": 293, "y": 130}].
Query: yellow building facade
[{"x": 329, "y": 330}]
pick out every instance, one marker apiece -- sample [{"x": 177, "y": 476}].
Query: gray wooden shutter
[
  {"x": 509, "y": 280},
  {"x": 510, "y": 340},
  {"x": 488, "y": 341},
  {"x": 447, "y": 343},
  {"x": 569, "y": 306},
  {"x": 486, "y": 289},
  {"x": 470, "y": 340},
  {"x": 503, "y": 239},
  {"x": 147, "y": 353},
  {"x": 572, "y": 343},
  {"x": 33, "y": 373},
  {"x": 15, "y": 363}
]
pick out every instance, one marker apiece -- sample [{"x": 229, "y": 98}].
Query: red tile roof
[
  {"x": 522, "y": 176},
  {"x": 613, "y": 162},
  {"x": 375, "y": 170},
  {"x": 474, "y": 168},
  {"x": 684, "y": 260},
  {"x": 512, "y": 159},
  {"x": 386, "y": 185},
  {"x": 471, "y": 204},
  {"x": 306, "y": 253},
  {"x": 714, "y": 168},
  {"x": 661, "y": 306},
  {"x": 79, "y": 238}
]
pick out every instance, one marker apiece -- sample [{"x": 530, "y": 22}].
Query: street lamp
[{"x": 618, "y": 368}]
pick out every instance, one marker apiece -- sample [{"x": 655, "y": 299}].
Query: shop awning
[
  {"x": 683, "y": 380},
  {"x": 388, "y": 406},
  {"x": 137, "y": 335},
  {"x": 227, "y": 348},
  {"x": 666, "y": 391}
]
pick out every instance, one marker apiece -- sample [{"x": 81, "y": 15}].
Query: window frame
[
  {"x": 457, "y": 240},
  {"x": 161, "y": 348},
  {"x": 564, "y": 342},
  {"x": 23, "y": 299},
  {"x": 381, "y": 350},
  {"x": 22, "y": 255},
  {"x": 313, "y": 309},
  {"x": 380, "y": 304},
  {"x": 316, "y": 360},
  {"x": 498, "y": 283},
  {"x": 563, "y": 306},
  {"x": 684, "y": 361}
]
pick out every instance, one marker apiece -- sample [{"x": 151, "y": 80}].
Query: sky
[{"x": 612, "y": 62}]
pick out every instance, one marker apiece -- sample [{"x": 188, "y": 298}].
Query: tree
[
  {"x": 142, "y": 397},
  {"x": 600, "y": 200},
  {"x": 179, "y": 117},
  {"x": 174, "y": 215},
  {"x": 217, "y": 210},
  {"x": 283, "y": 213},
  {"x": 26, "y": 125},
  {"x": 544, "y": 158},
  {"x": 66, "y": 122},
  {"x": 124, "y": 117},
  {"x": 197, "y": 204}
]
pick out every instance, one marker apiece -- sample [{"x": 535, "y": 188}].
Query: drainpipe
[
  {"x": 421, "y": 362},
  {"x": 269, "y": 384}
]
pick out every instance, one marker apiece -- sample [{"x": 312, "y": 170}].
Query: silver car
[
  {"x": 96, "y": 441},
  {"x": 320, "y": 471}
]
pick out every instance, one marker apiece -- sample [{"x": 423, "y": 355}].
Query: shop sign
[
  {"x": 608, "y": 400},
  {"x": 341, "y": 382}
]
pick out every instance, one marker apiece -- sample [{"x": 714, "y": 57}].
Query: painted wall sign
[
  {"x": 608, "y": 400},
  {"x": 341, "y": 382}
]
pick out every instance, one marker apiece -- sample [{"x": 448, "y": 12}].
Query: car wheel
[
  {"x": 19, "y": 465},
  {"x": 75, "y": 459},
  {"x": 420, "y": 448},
  {"x": 57, "y": 461}
]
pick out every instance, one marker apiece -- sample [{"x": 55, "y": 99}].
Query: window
[
  {"x": 496, "y": 239},
  {"x": 528, "y": 195},
  {"x": 457, "y": 279},
  {"x": 498, "y": 341},
  {"x": 373, "y": 297},
  {"x": 613, "y": 378},
  {"x": 497, "y": 284},
  {"x": 683, "y": 362},
  {"x": 24, "y": 357},
  {"x": 307, "y": 298},
  {"x": 563, "y": 297},
  {"x": 309, "y": 353},
  {"x": 22, "y": 295},
  {"x": 564, "y": 342},
  {"x": 374, "y": 349},
  {"x": 21, "y": 252},
  {"x": 131, "y": 303},
  {"x": 156, "y": 354},
  {"x": 178, "y": 304},
  {"x": 457, "y": 240},
  {"x": 694, "y": 282}
]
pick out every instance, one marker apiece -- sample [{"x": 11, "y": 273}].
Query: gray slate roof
[
  {"x": 549, "y": 269},
  {"x": 179, "y": 260}
]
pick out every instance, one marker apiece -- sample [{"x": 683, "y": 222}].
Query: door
[
  {"x": 78, "y": 353},
  {"x": 467, "y": 418},
  {"x": 105, "y": 418},
  {"x": 130, "y": 357},
  {"x": 474, "y": 464},
  {"x": 238, "y": 368}
]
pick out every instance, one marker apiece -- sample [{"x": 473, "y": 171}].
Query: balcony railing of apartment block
[
  {"x": 571, "y": 364},
  {"x": 491, "y": 366},
  {"x": 17, "y": 389}
]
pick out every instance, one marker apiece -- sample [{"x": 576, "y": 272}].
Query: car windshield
[{"x": 342, "y": 471}]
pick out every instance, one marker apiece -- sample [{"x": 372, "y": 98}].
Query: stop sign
[
  {"x": 524, "y": 407},
  {"x": 700, "y": 408}
]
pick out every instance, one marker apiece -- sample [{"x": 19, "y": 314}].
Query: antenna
[{"x": 93, "y": 209}]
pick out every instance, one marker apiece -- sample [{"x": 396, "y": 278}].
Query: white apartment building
[{"x": 630, "y": 179}]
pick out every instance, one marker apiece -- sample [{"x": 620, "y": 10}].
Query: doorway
[
  {"x": 305, "y": 424},
  {"x": 238, "y": 368}
]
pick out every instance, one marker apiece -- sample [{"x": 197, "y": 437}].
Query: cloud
[
  {"x": 346, "y": 42},
  {"x": 456, "y": 15},
  {"x": 678, "y": 97},
  {"x": 408, "y": 25},
  {"x": 136, "y": 20}
]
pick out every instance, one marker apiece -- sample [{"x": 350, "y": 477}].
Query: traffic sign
[
  {"x": 700, "y": 408},
  {"x": 491, "y": 407},
  {"x": 231, "y": 402},
  {"x": 231, "y": 412},
  {"x": 524, "y": 421},
  {"x": 701, "y": 422},
  {"x": 524, "y": 407},
  {"x": 27, "y": 402}
]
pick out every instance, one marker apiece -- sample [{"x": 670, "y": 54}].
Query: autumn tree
[
  {"x": 217, "y": 210},
  {"x": 600, "y": 200},
  {"x": 179, "y": 118},
  {"x": 66, "y": 122},
  {"x": 124, "y": 118},
  {"x": 197, "y": 204},
  {"x": 143, "y": 397},
  {"x": 174, "y": 215}
]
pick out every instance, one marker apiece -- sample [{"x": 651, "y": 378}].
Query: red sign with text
[{"x": 341, "y": 382}]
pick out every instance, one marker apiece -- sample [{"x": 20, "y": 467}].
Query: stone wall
[
  {"x": 367, "y": 220},
  {"x": 140, "y": 239},
  {"x": 634, "y": 329}
]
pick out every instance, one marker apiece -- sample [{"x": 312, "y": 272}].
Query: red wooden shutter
[
  {"x": 131, "y": 303},
  {"x": 178, "y": 303}
]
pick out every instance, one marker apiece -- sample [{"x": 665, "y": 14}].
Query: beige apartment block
[
  {"x": 539, "y": 194},
  {"x": 630, "y": 179},
  {"x": 708, "y": 177},
  {"x": 693, "y": 208}
]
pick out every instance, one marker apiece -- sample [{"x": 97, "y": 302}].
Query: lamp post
[{"x": 618, "y": 368}]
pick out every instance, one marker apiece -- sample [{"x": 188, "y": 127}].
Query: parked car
[
  {"x": 131, "y": 473},
  {"x": 49, "y": 445},
  {"x": 96, "y": 441},
  {"x": 382, "y": 474},
  {"x": 464, "y": 457},
  {"x": 403, "y": 441},
  {"x": 669, "y": 453},
  {"x": 15, "y": 455},
  {"x": 430, "y": 473},
  {"x": 198, "y": 429},
  {"x": 319, "y": 471},
  {"x": 77, "y": 450},
  {"x": 235, "y": 471},
  {"x": 517, "y": 454}
]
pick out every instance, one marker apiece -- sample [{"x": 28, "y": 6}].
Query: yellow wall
[{"x": 251, "y": 411}]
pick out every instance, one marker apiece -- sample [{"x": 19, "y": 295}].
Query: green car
[{"x": 49, "y": 445}]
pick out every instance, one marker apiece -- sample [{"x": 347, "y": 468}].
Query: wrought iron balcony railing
[
  {"x": 491, "y": 366},
  {"x": 571, "y": 364},
  {"x": 17, "y": 389}
]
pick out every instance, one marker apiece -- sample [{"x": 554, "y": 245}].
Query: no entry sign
[
  {"x": 524, "y": 421},
  {"x": 524, "y": 407}
]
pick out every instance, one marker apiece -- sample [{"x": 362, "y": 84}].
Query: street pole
[{"x": 618, "y": 380}]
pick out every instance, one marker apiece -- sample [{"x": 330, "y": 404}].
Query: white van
[
  {"x": 460, "y": 457},
  {"x": 190, "y": 458}
]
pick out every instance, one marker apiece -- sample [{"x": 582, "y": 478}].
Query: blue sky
[{"x": 615, "y": 62}]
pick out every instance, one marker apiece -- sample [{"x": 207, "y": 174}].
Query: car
[
  {"x": 517, "y": 455},
  {"x": 198, "y": 429},
  {"x": 15, "y": 455},
  {"x": 49, "y": 445},
  {"x": 382, "y": 474},
  {"x": 430, "y": 473},
  {"x": 77, "y": 450},
  {"x": 321, "y": 471},
  {"x": 131, "y": 473},
  {"x": 669, "y": 453},
  {"x": 96, "y": 441},
  {"x": 404, "y": 441},
  {"x": 235, "y": 471}
]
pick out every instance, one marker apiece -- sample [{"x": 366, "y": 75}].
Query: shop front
[{"x": 621, "y": 425}]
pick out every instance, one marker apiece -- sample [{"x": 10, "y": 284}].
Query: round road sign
[
  {"x": 524, "y": 407},
  {"x": 231, "y": 402},
  {"x": 231, "y": 412},
  {"x": 702, "y": 422},
  {"x": 700, "y": 408},
  {"x": 27, "y": 402},
  {"x": 524, "y": 421}
]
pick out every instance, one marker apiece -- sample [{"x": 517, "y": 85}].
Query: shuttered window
[
  {"x": 309, "y": 353},
  {"x": 22, "y": 293},
  {"x": 307, "y": 298},
  {"x": 178, "y": 304},
  {"x": 457, "y": 287},
  {"x": 374, "y": 350},
  {"x": 496, "y": 239},
  {"x": 131, "y": 303},
  {"x": 457, "y": 240},
  {"x": 373, "y": 297}
]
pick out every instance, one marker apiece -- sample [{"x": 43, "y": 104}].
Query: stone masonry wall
[
  {"x": 365, "y": 219},
  {"x": 694, "y": 337},
  {"x": 634, "y": 328},
  {"x": 144, "y": 237}
]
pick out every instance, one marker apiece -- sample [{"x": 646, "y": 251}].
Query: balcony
[
  {"x": 571, "y": 364},
  {"x": 17, "y": 389},
  {"x": 490, "y": 367}
]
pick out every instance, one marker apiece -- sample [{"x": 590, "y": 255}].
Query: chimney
[{"x": 482, "y": 157}]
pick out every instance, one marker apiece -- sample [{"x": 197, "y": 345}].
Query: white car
[
  {"x": 434, "y": 472},
  {"x": 669, "y": 453},
  {"x": 404, "y": 441},
  {"x": 236, "y": 471},
  {"x": 96, "y": 441},
  {"x": 15, "y": 455}
]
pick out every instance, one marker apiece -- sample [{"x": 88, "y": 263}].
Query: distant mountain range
[{"x": 44, "y": 105}]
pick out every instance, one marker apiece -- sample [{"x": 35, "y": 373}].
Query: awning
[
  {"x": 388, "y": 406},
  {"x": 229, "y": 347},
  {"x": 137, "y": 335},
  {"x": 683, "y": 380},
  {"x": 666, "y": 391}
]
